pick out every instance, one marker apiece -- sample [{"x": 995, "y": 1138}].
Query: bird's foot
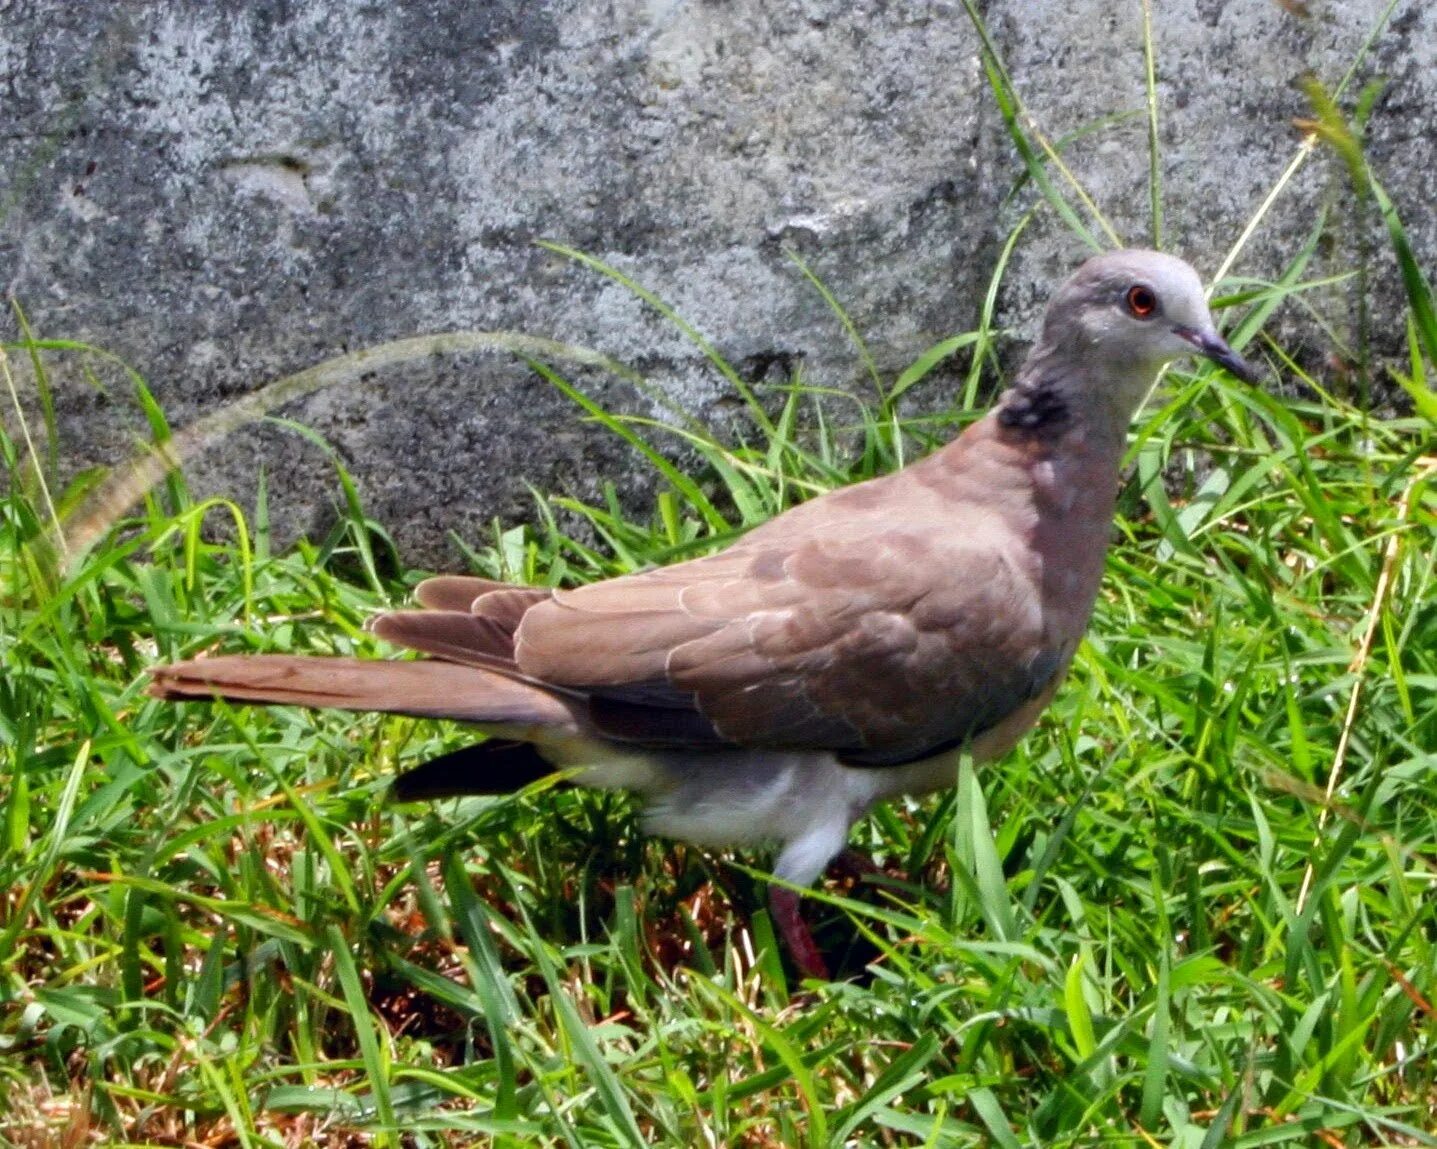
[{"x": 784, "y": 905}]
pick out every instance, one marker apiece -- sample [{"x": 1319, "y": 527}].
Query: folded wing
[{"x": 883, "y": 649}]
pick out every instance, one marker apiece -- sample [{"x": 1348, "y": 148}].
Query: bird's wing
[
  {"x": 465, "y": 620},
  {"x": 883, "y": 621},
  {"x": 455, "y": 592},
  {"x": 882, "y": 642}
]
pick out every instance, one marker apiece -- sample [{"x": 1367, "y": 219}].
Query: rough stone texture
[{"x": 223, "y": 194}]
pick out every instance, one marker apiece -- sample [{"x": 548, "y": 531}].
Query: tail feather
[
  {"x": 492, "y": 767},
  {"x": 422, "y": 689}
]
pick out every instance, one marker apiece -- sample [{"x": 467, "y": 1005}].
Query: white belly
[{"x": 804, "y": 801}]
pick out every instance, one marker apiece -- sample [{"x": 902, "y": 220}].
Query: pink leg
[{"x": 783, "y": 904}]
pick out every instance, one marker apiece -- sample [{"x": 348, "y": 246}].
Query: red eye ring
[{"x": 1141, "y": 301}]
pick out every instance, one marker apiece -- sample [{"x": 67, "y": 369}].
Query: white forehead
[
  {"x": 1166, "y": 274},
  {"x": 1100, "y": 282}
]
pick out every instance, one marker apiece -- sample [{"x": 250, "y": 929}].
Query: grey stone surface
[{"x": 222, "y": 194}]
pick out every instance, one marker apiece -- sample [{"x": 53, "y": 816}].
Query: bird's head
[{"x": 1133, "y": 311}]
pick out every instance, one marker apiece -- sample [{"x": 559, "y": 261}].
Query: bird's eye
[{"x": 1142, "y": 303}]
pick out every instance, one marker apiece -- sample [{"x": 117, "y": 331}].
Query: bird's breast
[{"x": 1074, "y": 495}]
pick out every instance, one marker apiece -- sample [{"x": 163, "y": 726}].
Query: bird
[{"x": 844, "y": 653}]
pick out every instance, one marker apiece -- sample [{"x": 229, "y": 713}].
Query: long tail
[{"x": 423, "y": 689}]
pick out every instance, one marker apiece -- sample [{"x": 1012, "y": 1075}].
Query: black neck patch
[{"x": 1036, "y": 405}]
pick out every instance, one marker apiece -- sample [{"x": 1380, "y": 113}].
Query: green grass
[{"x": 1195, "y": 908}]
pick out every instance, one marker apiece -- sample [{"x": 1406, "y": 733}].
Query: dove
[{"x": 844, "y": 653}]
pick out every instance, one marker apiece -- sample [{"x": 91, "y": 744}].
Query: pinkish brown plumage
[{"x": 843, "y": 653}]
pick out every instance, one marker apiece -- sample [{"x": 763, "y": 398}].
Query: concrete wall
[{"x": 224, "y": 193}]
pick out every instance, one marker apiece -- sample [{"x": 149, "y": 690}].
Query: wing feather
[
  {"x": 879, "y": 622},
  {"x": 879, "y": 648},
  {"x": 454, "y": 592},
  {"x": 452, "y": 635}
]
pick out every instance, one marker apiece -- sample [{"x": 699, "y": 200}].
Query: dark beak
[{"x": 1211, "y": 345}]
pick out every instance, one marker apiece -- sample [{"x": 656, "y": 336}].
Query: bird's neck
[{"x": 1055, "y": 396}]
